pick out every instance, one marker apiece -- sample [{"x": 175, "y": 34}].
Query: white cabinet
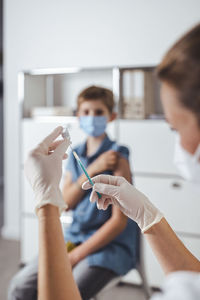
[
  {"x": 177, "y": 199},
  {"x": 151, "y": 143},
  {"x": 179, "y": 202}
]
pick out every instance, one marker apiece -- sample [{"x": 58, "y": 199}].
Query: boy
[{"x": 105, "y": 240}]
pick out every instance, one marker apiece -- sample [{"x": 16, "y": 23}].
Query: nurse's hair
[
  {"x": 93, "y": 93},
  {"x": 180, "y": 68}
]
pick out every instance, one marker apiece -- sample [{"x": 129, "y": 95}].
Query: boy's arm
[
  {"x": 72, "y": 191},
  {"x": 110, "y": 230}
]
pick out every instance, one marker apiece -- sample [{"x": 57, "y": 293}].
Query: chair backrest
[{"x": 138, "y": 245}]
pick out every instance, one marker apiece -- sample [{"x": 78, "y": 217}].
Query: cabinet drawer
[
  {"x": 151, "y": 144},
  {"x": 27, "y": 196},
  {"x": 29, "y": 238},
  {"x": 177, "y": 199}
]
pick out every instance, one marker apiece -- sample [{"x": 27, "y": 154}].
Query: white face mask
[{"x": 188, "y": 164}]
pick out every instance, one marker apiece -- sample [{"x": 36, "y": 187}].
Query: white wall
[
  {"x": 1, "y": 102},
  {"x": 1, "y": 141},
  {"x": 79, "y": 33}
]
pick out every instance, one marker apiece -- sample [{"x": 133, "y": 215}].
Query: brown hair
[
  {"x": 180, "y": 67},
  {"x": 97, "y": 93}
]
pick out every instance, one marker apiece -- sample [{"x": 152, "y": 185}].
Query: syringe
[{"x": 65, "y": 134}]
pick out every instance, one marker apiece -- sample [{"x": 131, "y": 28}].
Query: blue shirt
[{"x": 120, "y": 254}]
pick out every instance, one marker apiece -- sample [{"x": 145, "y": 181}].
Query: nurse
[{"x": 180, "y": 76}]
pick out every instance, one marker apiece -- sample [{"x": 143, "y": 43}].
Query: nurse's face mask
[{"x": 188, "y": 164}]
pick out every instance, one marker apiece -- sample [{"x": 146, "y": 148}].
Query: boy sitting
[{"x": 104, "y": 240}]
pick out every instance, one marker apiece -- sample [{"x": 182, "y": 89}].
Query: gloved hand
[
  {"x": 118, "y": 191},
  {"x": 43, "y": 169}
]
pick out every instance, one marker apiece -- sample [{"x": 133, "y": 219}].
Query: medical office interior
[{"x": 50, "y": 51}]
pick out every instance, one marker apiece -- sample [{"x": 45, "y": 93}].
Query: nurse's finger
[
  {"x": 55, "y": 145},
  {"x": 106, "y": 203},
  {"x": 99, "y": 178},
  {"x": 102, "y": 203},
  {"x": 106, "y": 189},
  {"x": 65, "y": 156},
  {"x": 52, "y": 136},
  {"x": 62, "y": 148},
  {"x": 93, "y": 197}
]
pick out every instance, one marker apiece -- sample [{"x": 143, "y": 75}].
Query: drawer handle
[{"x": 176, "y": 185}]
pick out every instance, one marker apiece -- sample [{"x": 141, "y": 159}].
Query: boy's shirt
[{"x": 120, "y": 254}]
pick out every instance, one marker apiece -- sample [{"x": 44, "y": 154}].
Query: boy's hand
[
  {"x": 75, "y": 256},
  {"x": 106, "y": 161}
]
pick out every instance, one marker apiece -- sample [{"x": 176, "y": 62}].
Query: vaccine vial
[{"x": 65, "y": 133}]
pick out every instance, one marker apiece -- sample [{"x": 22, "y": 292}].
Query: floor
[
  {"x": 9, "y": 264},
  {"x": 1, "y": 206},
  {"x": 9, "y": 257},
  {"x": 126, "y": 292}
]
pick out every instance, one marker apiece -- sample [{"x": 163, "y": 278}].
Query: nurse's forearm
[
  {"x": 169, "y": 250},
  {"x": 55, "y": 280}
]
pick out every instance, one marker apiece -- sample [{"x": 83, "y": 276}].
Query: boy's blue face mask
[{"x": 93, "y": 125}]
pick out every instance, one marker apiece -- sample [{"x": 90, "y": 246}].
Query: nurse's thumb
[
  {"x": 62, "y": 148},
  {"x": 106, "y": 189}
]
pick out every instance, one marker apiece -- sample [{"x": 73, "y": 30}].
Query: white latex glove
[
  {"x": 118, "y": 191},
  {"x": 43, "y": 169}
]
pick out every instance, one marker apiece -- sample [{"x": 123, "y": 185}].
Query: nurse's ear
[
  {"x": 112, "y": 117},
  {"x": 77, "y": 113}
]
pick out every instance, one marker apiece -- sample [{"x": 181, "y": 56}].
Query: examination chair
[{"x": 139, "y": 267}]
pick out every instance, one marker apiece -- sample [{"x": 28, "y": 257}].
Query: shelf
[{"x": 46, "y": 92}]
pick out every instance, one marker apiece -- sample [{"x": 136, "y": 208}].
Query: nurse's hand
[
  {"x": 118, "y": 191},
  {"x": 43, "y": 169}
]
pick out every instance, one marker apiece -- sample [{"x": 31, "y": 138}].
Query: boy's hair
[{"x": 97, "y": 93}]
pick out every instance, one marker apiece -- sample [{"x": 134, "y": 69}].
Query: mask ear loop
[{"x": 197, "y": 154}]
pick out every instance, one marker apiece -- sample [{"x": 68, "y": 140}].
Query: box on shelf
[{"x": 51, "y": 111}]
